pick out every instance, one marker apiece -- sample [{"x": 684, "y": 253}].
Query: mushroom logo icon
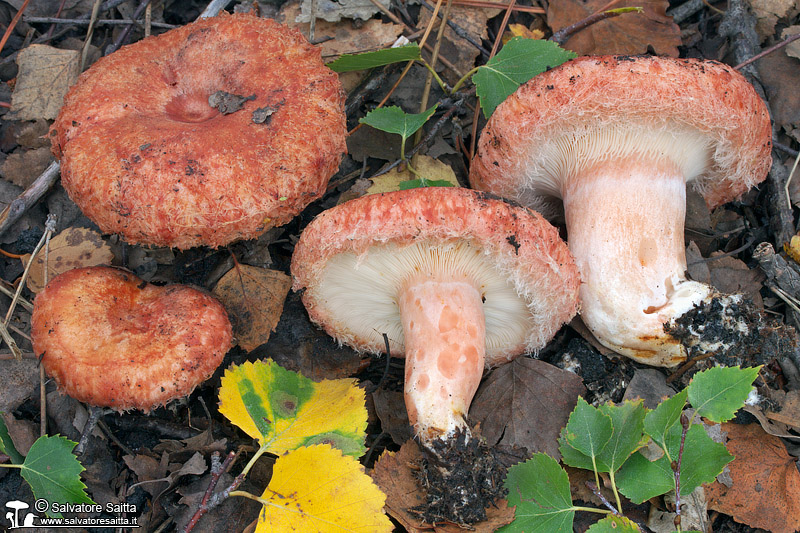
[{"x": 13, "y": 517}]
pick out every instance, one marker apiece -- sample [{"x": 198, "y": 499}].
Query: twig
[
  {"x": 213, "y": 8},
  {"x": 676, "y": 468},
  {"x": 596, "y": 491},
  {"x": 29, "y": 197},
  {"x": 426, "y": 90},
  {"x": 769, "y": 50},
  {"x": 211, "y": 500},
  {"x": 89, "y": 33},
  {"x": 562, "y": 35},
  {"x": 499, "y": 5},
  {"x": 94, "y": 416},
  {"x": 13, "y": 24},
  {"x": 123, "y": 36},
  {"x": 100, "y": 22},
  {"x": 461, "y": 32}
]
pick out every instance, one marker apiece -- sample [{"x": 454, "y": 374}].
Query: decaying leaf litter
[{"x": 161, "y": 462}]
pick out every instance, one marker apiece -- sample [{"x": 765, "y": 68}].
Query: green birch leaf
[
  {"x": 627, "y": 421},
  {"x": 587, "y": 432},
  {"x": 284, "y": 410},
  {"x": 661, "y": 419},
  {"x": 614, "y": 524},
  {"x": 53, "y": 473},
  {"x": 717, "y": 393},
  {"x": 379, "y": 58},
  {"x": 7, "y": 445},
  {"x": 417, "y": 183},
  {"x": 640, "y": 479},
  {"x": 539, "y": 488},
  {"x": 703, "y": 459},
  {"x": 517, "y": 62},
  {"x": 394, "y": 120}
]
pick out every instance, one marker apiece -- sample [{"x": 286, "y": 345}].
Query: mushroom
[
  {"x": 110, "y": 339},
  {"x": 209, "y": 133},
  {"x": 618, "y": 139},
  {"x": 457, "y": 281}
]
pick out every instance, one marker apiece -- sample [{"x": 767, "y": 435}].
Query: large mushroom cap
[
  {"x": 703, "y": 114},
  {"x": 206, "y": 134},
  {"x": 111, "y": 340},
  {"x": 353, "y": 260}
]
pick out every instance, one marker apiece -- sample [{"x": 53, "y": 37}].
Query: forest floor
[{"x": 161, "y": 462}]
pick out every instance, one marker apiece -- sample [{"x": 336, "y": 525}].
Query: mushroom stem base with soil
[
  {"x": 625, "y": 225},
  {"x": 444, "y": 330}
]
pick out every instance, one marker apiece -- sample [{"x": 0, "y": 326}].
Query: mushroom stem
[
  {"x": 443, "y": 324},
  {"x": 625, "y": 221}
]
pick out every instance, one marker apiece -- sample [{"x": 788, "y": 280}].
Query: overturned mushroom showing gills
[
  {"x": 111, "y": 340},
  {"x": 209, "y": 133},
  {"x": 458, "y": 281},
  {"x": 618, "y": 139}
]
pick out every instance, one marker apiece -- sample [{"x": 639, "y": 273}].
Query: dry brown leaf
[
  {"x": 629, "y": 33},
  {"x": 72, "y": 248},
  {"x": 395, "y": 475},
  {"x": 253, "y": 298},
  {"x": 24, "y": 166},
  {"x": 429, "y": 168},
  {"x": 391, "y": 409},
  {"x": 789, "y": 413},
  {"x": 730, "y": 275},
  {"x": 768, "y": 12},
  {"x": 45, "y": 74},
  {"x": 457, "y": 50},
  {"x": 345, "y": 37},
  {"x": 526, "y": 403},
  {"x": 793, "y": 48},
  {"x": 780, "y": 75},
  {"x": 765, "y": 492}
]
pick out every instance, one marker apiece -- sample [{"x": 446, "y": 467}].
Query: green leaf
[
  {"x": 7, "y": 445},
  {"x": 587, "y": 432},
  {"x": 627, "y": 421},
  {"x": 285, "y": 410},
  {"x": 614, "y": 524},
  {"x": 717, "y": 393},
  {"x": 54, "y": 473},
  {"x": 539, "y": 488},
  {"x": 394, "y": 120},
  {"x": 640, "y": 479},
  {"x": 703, "y": 459},
  {"x": 517, "y": 62},
  {"x": 417, "y": 183},
  {"x": 660, "y": 420},
  {"x": 367, "y": 60}
]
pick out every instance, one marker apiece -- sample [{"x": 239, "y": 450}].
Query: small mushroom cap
[
  {"x": 145, "y": 155},
  {"x": 353, "y": 260},
  {"x": 703, "y": 114},
  {"x": 111, "y": 340}
]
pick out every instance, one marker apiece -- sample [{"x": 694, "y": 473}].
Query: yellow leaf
[
  {"x": 792, "y": 248},
  {"x": 72, "y": 248},
  {"x": 519, "y": 30},
  {"x": 317, "y": 489},
  {"x": 430, "y": 168},
  {"x": 253, "y": 298},
  {"x": 284, "y": 410}
]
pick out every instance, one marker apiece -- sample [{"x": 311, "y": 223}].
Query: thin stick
[
  {"x": 769, "y": 50},
  {"x": 789, "y": 179},
  {"x": 89, "y": 33},
  {"x": 99, "y": 22},
  {"x": 13, "y": 24},
  {"x": 426, "y": 91},
  {"x": 498, "y": 5},
  {"x": 29, "y": 197},
  {"x": 213, "y": 8}
]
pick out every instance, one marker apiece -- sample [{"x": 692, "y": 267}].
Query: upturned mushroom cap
[
  {"x": 353, "y": 260},
  {"x": 701, "y": 114},
  {"x": 111, "y": 340},
  {"x": 209, "y": 133}
]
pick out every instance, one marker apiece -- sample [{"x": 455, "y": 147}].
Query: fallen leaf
[
  {"x": 395, "y": 474},
  {"x": 780, "y": 75},
  {"x": 151, "y": 473},
  {"x": 334, "y": 11},
  {"x": 343, "y": 37},
  {"x": 767, "y": 13},
  {"x": 649, "y": 385},
  {"x": 23, "y": 433},
  {"x": 72, "y": 248},
  {"x": 391, "y": 409},
  {"x": 456, "y": 49},
  {"x": 520, "y": 30},
  {"x": 793, "y": 48},
  {"x": 525, "y": 403},
  {"x": 284, "y": 410},
  {"x": 629, "y": 33},
  {"x": 789, "y": 412},
  {"x": 431, "y": 169},
  {"x": 766, "y": 484},
  {"x": 316, "y": 488},
  {"x": 45, "y": 74},
  {"x": 253, "y": 298},
  {"x": 730, "y": 275},
  {"x": 24, "y": 166},
  {"x": 20, "y": 382}
]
